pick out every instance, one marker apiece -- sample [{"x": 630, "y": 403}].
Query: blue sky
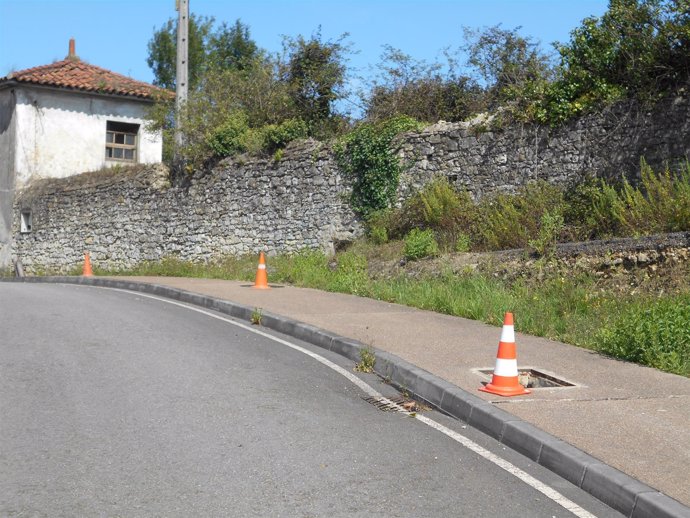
[{"x": 114, "y": 33}]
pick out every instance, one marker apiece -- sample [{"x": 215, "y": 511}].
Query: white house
[{"x": 67, "y": 118}]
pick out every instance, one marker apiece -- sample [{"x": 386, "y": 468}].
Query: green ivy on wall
[{"x": 364, "y": 155}]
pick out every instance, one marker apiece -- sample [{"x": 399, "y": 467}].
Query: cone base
[
  {"x": 261, "y": 280},
  {"x": 518, "y": 390}
]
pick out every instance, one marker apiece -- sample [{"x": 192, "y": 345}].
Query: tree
[
  {"x": 424, "y": 91},
  {"x": 230, "y": 79},
  {"x": 637, "y": 47},
  {"x": 231, "y": 48},
  {"x": 163, "y": 49},
  {"x": 225, "y": 47},
  {"x": 507, "y": 62},
  {"x": 314, "y": 71},
  {"x": 251, "y": 98}
]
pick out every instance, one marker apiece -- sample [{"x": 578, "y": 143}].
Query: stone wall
[
  {"x": 244, "y": 205},
  {"x": 128, "y": 216},
  {"x": 483, "y": 157}
]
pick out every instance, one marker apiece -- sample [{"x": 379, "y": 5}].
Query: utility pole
[{"x": 182, "y": 70}]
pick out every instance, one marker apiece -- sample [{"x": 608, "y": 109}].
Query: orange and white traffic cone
[
  {"x": 505, "y": 379},
  {"x": 261, "y": 282},
  {"x": 87, "y": 271}
]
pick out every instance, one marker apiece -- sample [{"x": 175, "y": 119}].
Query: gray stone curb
[{"x": 611, "y": 486}]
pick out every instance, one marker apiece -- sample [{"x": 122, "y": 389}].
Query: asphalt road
[{"x": 115, "y": 404}]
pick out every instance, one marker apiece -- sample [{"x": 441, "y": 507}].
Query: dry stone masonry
[
  {"x": 248, "y": 204},
  {"x": 483, "y": 157},
  {"x": 126, "y": 217}
]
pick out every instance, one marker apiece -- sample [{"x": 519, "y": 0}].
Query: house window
[
  {"x": 26, "y": 221},
  {"x": 121, "y": 141}
]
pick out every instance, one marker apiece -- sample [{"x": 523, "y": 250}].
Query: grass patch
[
  {"x": 243, "y": 268},
  {"x": 561, "y": 309},
  {"x": 654, "y": 333}
]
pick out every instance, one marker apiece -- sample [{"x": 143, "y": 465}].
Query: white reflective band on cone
[
  {"x": 506, "y": 368},
  {"x": 262, "y": 267},
  {"x": 508, "y": 334}
]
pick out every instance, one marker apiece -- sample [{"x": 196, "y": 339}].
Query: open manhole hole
[{"x": 533, "y": 378}]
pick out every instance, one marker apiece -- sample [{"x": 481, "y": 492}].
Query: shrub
[
  {"x": 421, "y": 90},
  {"x": 229, "y": 138},
  {"x": 420, "y": 243},
  {"x": 540, "y": 214},
  {"x": 656, "y": 335},
  {"x": 660, "y": 203},
  {"x": 587, "y": 211},
  {"x": 508, "y": 62},
  {"x": 510, "y": 221},
  {"x": 235, "y": 136},
  {"x": 277, "y": 136},
  {"x": 440, "y": 207},
  {"x": 436, "y": 201},
  {"x": 549, "y": 231},
  {"x": 253, "y": 140},
  {"x": 636, "y": 48},
  {"x": 380, "y": 224},
  {"x": 463, "y": 243}
]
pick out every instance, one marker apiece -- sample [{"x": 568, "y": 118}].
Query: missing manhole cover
[{"x": 533, "y": 378}]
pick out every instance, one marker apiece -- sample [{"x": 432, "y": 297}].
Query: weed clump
[
  {"x": 549, "y": 231},
  {"x": 540, "y": 215},
  {"x": 511, "y": 220},
  {"x": 257, "y": 316},
  {"x": 367, "y": 360},
  {"x": 420, "y": 244},
  {"x": 656, "y": 335}
]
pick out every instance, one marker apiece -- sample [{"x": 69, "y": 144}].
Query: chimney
[{"x": 72, "y": 54}]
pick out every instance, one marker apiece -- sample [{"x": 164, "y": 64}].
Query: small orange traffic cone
[
  {"x": 261, "y": 282},
  {"x": 505, "y": 380},
  {"x": 87, "y": 271}
]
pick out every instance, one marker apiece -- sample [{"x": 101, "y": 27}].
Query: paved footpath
[{"x": 634, "y": 418}]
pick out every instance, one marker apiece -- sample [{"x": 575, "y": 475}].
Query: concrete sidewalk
[{"x": 633, "y": 418}]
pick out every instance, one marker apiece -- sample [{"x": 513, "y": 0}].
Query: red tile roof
[{"x": 74, "y": 74}]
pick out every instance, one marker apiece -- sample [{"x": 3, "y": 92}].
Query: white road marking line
[
  {"x": 510, "y": 468},
  {"x": 369, "y": 390}
]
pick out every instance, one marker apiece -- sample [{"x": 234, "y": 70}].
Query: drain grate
[{"x": 395, "y": 404}]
